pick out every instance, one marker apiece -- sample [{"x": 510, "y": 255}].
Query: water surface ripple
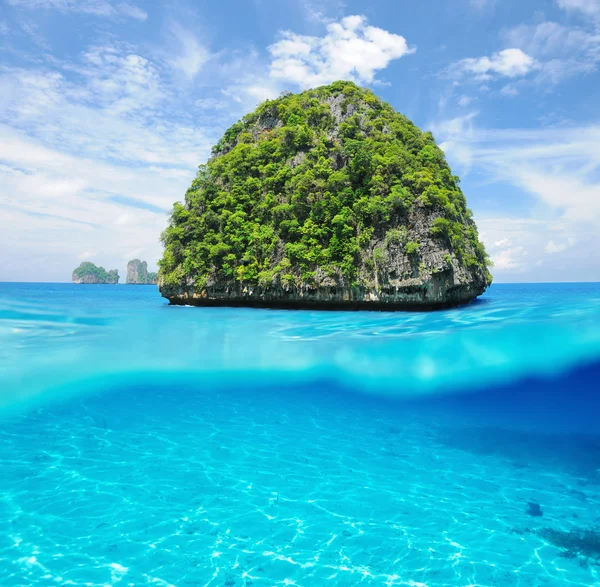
[{"x": 55, "y": 335}]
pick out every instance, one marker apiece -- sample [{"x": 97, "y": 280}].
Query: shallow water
[{"x": 145, "y": 444}]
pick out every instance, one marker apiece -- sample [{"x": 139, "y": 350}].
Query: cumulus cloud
[
  {"x": 351, "y": 49},
  {"x": 511, "y": 63},
  {"x": 503, "y": 253},
  {"x": 94, "y": 7},
  {"x": 542, "y": 53},
  {"x": 512, "y": 258}
]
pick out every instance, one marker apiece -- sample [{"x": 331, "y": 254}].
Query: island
[
  {"x": 324, "y": 199},
  {"x": 89, "y": 273},
  {"x": 138, "y": 274}
]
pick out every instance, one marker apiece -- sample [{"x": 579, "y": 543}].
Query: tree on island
[
  {"x": 87, "y": 272},
  {"x": 138, "y": 274},
  {"x": 328, "y": 197}
]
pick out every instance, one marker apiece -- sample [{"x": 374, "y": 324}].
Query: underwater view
[{"x": 148, "y": 444}]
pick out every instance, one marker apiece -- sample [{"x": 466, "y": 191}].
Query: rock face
[
  {"x": 328, "y": 198},
  {"x": 89, "y": 273},
  {"x": 137, "y": 273}
]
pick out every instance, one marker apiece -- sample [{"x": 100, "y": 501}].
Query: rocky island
[
  {"x": 89, "y": 273},
  {"x": 138, "y": 274},
  {"x": 328, "y": 198}
]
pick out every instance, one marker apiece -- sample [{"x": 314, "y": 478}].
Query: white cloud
[
  {"x": 553, "y": 247},
  {"x": 463, "y": 155},
  {"x": 351, "y": 49},
  {"x": 509, "y": 90},
  {"x": 453, "y": 135},
  {"x": 572, "y": 191},
  {"x": 59, "y": 209},
  {"x": 94, "y": 7},
  {"x": 209, "y": 104},
  {"x": 588, "y": 7},
  {"x": 318, "y": 10},
  {"x": 132, "y": 11},
  {"x": 509, "y": 63},
  {"x": 464, "y": 100},
  {"x": 113, "y": 110},
  {"x": 94, "y": 155},
  {"x": 190, "y": 56},
  {"x": 513, "y": 258},
  {"x": 549, "y": 39},
  {"x": 459, "y": 126},
  {"x": 557, "y": 70},
  {"x": 520, "y": 251},
  {"x": 119, "y": 78},
  {"x": 544, "y": 53},
  {"x": 561, "y": 51},
  {"x": 559, "y": 168},
  {"x": 504, "y": 255}
]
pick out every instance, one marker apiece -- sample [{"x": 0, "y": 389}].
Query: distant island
[
  {"x": 89, "y": 273},
  {"x": 138, "y": 274}
]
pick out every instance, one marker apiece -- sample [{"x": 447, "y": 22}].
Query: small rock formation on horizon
[
  {"x": 328, "y": 198},
  {"x": 138, "y": 274},
  {"x": 87, "y": 272}
]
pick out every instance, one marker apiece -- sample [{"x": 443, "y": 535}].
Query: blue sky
[{"x": 108, "y": 106}]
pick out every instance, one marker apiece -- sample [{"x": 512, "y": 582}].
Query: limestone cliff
[
  {"x": 89, "y": 273},
  {"x": 328, "y": 198},
  {"x": 138, "y": 274}
]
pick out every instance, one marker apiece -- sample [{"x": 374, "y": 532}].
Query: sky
[{"x": 107, "y": 107}]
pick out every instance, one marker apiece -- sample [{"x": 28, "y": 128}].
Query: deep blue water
[{"x": 142, "y": 444}]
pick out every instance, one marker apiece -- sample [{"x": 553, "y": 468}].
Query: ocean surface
[{"x": 143, "y": 444}]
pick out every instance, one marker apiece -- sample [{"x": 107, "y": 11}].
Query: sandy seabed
[{"x": 159, "y": 486}]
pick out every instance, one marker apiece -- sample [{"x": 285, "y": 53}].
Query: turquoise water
[{"x": 142, "y": 444}]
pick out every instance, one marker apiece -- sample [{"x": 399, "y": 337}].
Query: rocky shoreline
[{"x": 439, "y": 292}]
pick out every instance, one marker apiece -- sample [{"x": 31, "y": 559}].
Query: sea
[{"x": 143, "y": 444}]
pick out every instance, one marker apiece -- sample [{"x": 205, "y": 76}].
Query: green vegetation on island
[
  {"x": 138, "y": 274},
  {"x": 87, "y": 272},
  {"x": 326, "y": 195}
]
